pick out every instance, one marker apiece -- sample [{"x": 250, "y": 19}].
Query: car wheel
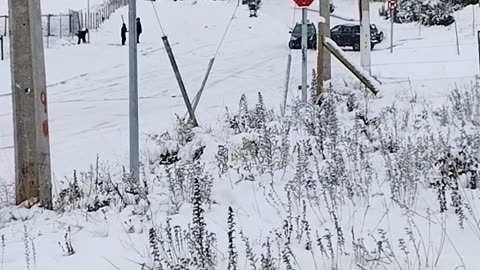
[
  {"x": 372, "y": 46},
  {"x": 290, "y": 45},
  {"x": 380, "y": 37},
  {"x": 356, "y": 46}
]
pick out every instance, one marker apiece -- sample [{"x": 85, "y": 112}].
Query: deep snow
[{"x": 88, "y": 91}]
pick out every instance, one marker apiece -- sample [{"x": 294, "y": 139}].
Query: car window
[
  {"x": 336, "y": 28},
  {"x": 297, "y": 31}
]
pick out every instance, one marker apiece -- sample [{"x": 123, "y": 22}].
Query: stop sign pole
[{"x": 304, "y": 4}]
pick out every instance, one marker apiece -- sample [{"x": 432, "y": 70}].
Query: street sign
[
  {"x": 392, "y": 4},
  {"x": 303, "y": 3}
]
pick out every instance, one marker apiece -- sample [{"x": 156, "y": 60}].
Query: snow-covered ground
[
  {"x": 88, "y": 83},
  {"x": 88, "y": 101}
]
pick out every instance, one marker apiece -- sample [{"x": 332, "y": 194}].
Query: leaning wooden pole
[{"x": 361, "y": 74}]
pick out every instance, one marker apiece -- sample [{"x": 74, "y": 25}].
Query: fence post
[
  {"x": 49, "y": 33},
  {"x": 5, "y": 26},
  {"x": 1, "y": 47},
  {"x": 70, "y": 18},
  {"x": 60, "y": 25}
]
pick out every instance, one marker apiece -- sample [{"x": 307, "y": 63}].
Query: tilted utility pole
[
  {"x": 133, "y": 87},
  {"x": 324, "y": 70},
  {"x": 29, "y": 93},
  {"x": 365, "y": 38}
]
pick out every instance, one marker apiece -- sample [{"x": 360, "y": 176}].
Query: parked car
[
  {"x": 296, "y": 37},
  {"x": 348, "y": 35}
]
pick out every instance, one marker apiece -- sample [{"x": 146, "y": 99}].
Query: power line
[
  {"x": 226, "y": 31},
  {"x": 158, "y": 19}
]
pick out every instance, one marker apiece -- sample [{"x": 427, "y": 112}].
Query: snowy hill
[{"x": 358, "y": 183}]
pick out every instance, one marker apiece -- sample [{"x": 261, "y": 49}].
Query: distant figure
[
  {"x": 253, "y": 6},
  {"x": 124, "y": 33},
  {"x": 82, "y": 36},
  {"x": 139, "y": 29}
]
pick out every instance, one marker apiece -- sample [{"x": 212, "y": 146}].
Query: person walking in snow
[
  {"x": 124, "y": 33},
  {"x": 82, "y": 34},
  {"x": 253, "y": 6},
  {"x": 139, "y": 29}
]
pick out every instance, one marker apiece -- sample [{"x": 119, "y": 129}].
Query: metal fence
[
  {"x": 62, "y": 25},
  {"x": 67, "y": 25}
]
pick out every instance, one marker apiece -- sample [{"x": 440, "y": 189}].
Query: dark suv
[
  {"x": 296, "y": 38},
  {"x": 348, "y": 35}
]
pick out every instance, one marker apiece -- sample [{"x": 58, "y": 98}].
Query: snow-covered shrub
[
  {"x": 427, "y": 12},
  {"x": 175, "y": 248},
  {"x": 97, "y": 188}
]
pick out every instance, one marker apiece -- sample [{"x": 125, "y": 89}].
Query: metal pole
[
  {"x": 49, "y": 18},
  {"x": 196, "y": 99},
  {"x": 60, "y": 25},
  {"x": 1, "y": 47},
  {"x": 29, "y": 96},
  {"x": 5, "y": 26},
  {"x": 478, "y": 41},
  {"x": 365, "y": 39},
  {"x": 456, "y": 36},
  {"x": 178, "y": 76},
  {"x": 419, "y": 7},
  {"x": 88, "y": 26},
  {"x": 473, "y": 24},
  {"x": 392, "y": 19},
  {"x": 133, "y": 87},
  {"x": 287, "y": 84},
  {"x": 304, "y": 55}
]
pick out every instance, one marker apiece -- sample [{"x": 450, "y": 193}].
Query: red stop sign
[{"x": 303, "y": 3}]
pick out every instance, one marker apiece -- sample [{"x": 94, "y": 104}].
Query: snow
[{"x": 88, "y": 110}]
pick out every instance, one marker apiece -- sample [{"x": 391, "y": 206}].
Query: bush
[{"x": 427, "y": 13}]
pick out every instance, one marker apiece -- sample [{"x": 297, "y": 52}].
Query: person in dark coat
[
  {"x": 253, "y": 6},
  {"x": 124, "y": 33},
  {"x": 139, "y": 29},
  {"x": 82, "y": 36}
]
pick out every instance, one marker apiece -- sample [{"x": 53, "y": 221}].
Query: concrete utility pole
[
  {"x": 365, "y": 38},
  {"x": 133, "y": 87},
  {"x": 304, "y": 55},
  {"x": 324, "y": 70},
  {"x": 29, "y": 93}
]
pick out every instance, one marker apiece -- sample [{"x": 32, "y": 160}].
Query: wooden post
[
  {"x": 29, "y": 93},
  {"x": 364, "y": 78}
]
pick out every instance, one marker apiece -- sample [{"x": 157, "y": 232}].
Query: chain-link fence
[
  {"x": 62, "y": 25},
  {"x": 67, "y": 25}
]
